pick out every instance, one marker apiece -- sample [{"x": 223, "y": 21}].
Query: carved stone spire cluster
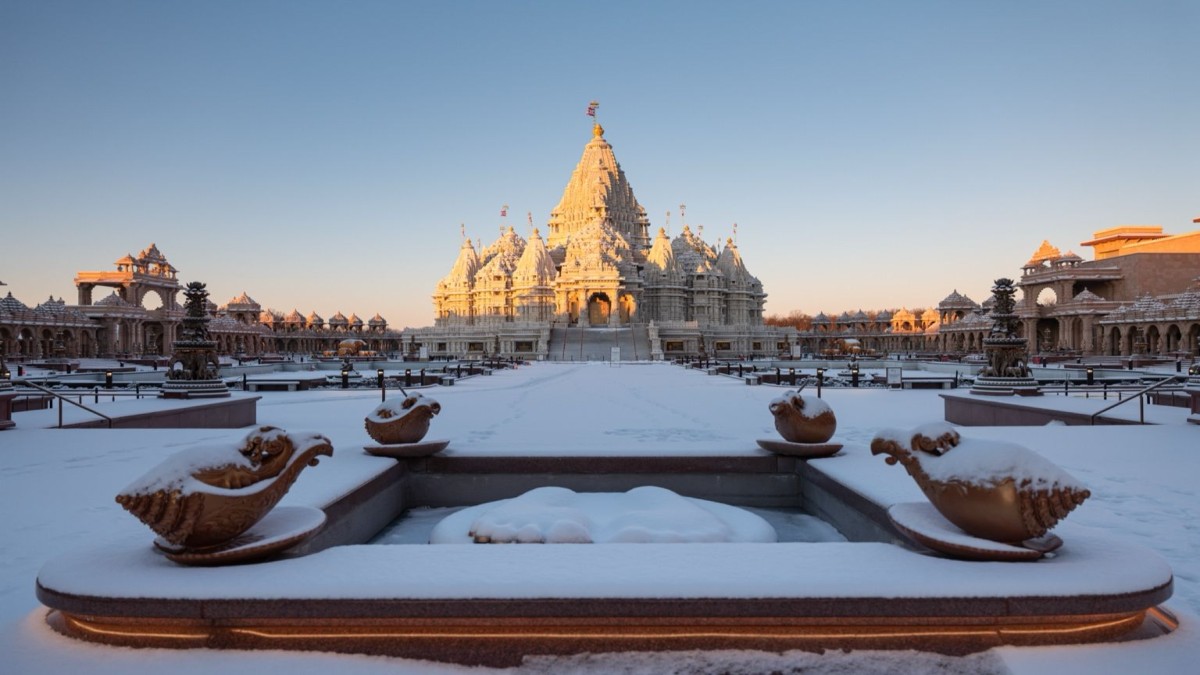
[
  {"x": 598, "y": 266},
  {"x": 598, "y": 191}
]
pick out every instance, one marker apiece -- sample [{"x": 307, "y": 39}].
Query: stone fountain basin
[{"x": 493, "y": 604}]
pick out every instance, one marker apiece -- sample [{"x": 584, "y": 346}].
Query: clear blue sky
[{"x": 322, "y": 155}]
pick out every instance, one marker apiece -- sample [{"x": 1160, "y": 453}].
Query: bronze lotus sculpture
[
  {"x": 206, "y": 497},
  {"x": 992, "y": 490}
]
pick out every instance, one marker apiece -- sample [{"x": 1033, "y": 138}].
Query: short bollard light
[
  {"x": 820, "y": 380},
  {"x": 854, "y": 374},
  {"x": 379, "y": 381},
  {"x": 345, "y": 379},
  {"x": 792, "y": 375},
  {"x": 108, "y": 379},
  {"x": 1091, "y": 375}
]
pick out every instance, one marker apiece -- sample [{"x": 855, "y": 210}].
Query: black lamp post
[{"x": 379, "y": 380}]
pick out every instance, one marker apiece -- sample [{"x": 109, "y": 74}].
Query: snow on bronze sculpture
[
  {"x": 806, "y": 424},
  {"x": 803, "y": 419},
  {"x": 399, "y": 426},
  {"x": 993, "y": 491},
  {"x": 402, "y": 421},
  {"x": 202, "y": 500}
]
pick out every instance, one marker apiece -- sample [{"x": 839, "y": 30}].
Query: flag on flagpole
[
  {"x": 591, "y": 109},
  {"x": 504, "y": 211}
]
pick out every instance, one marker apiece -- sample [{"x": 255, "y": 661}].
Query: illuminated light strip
[
  {"x": 622, "y": 636},
  {"x": 1134, "y": 619},
  {"x": 784, "y": 632},
  {"x": 797, "y": 632},
  {"x": 95, "y": 628}
]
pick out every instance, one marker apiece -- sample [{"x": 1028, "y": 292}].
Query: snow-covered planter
[
  {"x": 803, "y": 419},
  {"x": 402, "y": 420}
]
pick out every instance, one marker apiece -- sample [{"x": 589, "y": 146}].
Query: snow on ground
[{"x": 57, "y": 489}]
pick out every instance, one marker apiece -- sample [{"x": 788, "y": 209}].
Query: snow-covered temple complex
[
  {"x": 141, "y": 316},
  {"x": 599, "y": 267},
  {"x": 1139, "y": 296}
]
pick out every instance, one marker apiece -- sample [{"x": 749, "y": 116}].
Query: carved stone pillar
[{"x": 1085, "y": 340}]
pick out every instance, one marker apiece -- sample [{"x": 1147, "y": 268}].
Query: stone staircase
[{"x": 596, "y": 344}]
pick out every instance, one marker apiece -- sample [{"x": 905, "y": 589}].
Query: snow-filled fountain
[{"x": 644, "y": 590}]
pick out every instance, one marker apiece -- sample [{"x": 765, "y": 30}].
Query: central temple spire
[{"x": 598, "y": 192}]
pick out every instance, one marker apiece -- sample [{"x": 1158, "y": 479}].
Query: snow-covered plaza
[{"x": 59, "y": 485}]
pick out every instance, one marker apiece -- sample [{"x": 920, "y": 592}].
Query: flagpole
[{"x": 591, "y": 111}]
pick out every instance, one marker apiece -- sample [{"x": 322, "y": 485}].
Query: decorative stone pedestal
[
  {"x": 407, "y": 450},
  {"x": 193, "y": 389},
  {"x": 1006, "y": 386}
]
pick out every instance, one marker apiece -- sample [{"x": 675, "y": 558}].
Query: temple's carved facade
[{"x": 599, "y": 267}]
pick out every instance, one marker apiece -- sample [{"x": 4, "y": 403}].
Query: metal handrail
[
  {"x": 60, "y": 397},
  {"x": 1141, "y": 402}
]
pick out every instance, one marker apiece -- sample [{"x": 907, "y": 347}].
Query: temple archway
[
  {"x": 1047, "y": 297},
  {"x": 1114, "y": 341},
  {"x": 1174, "y": 339},
  {"x": 1047, "y": 334},
  {"x": 152, "y": 299},
  {"x": 1153, "y": 340},
  {"x": 599, "y": 307}
]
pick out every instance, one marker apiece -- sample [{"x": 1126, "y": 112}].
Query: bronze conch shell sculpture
[
  {"x": 803, "y": 419},
  {"x": 402, "y": 421},
  {"x": 990, "y": 489},
  {"x": 205, "y": 497}
]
